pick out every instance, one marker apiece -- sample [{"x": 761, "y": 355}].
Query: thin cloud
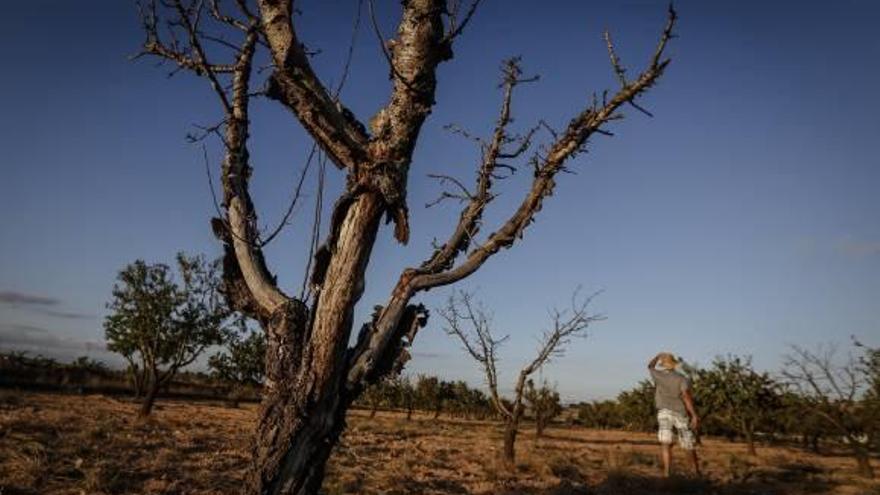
[
  {"x": 13, "y": 335},
  {"x": 68, "y": 315},
  {"x": 15, "y": 327},
  {"x": 21, "y": 299},
  {"x": 858, "y": 248},
  {"x": 42, "y": 304}
]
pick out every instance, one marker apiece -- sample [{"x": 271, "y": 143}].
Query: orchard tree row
[{"x": 818, "y": 398}]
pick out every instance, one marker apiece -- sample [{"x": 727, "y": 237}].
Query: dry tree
[
  {"x": 469, "y": 322},
  {"x": 312, "y": 375},
  {"x": 838, "y": 393}
]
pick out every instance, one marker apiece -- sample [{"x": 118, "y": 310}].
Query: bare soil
[{"x": 69, "y": 444}]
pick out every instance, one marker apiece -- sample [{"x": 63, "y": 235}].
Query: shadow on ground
[
  {"x": 792, "y": 479},
  {"x": 599, "y": 441}
]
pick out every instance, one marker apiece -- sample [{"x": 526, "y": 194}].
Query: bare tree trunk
[
  {"x": 136, "y": 377},
  {"x": 863, "y": 458},
  {"x": 511, "y": 428},
  {"x": 748, "y": 431},
  {"x": 152, "y": 390},
  {"x": 302, "y": 413},
  {"x": 539, "y": 427},
  {"x": 311, "y": 376},
  {"x": 750, "y": 441},
  {"x": 814, "y": 443},
  {"x": 294, "y": 441}
]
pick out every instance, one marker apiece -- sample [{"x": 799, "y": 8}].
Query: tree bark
[
  {"x": 814, "y": 443},
  {"x": 750, "y": 441},
  {"x": 303, "y": 410},
  {"x": 749, "y": 432},
  {"x": 300, "y": 417},
  {"x": 863, "y": 458},
  {"x": 508, "y": 454},
  {"x": 152, "y": 390},
  {"x": 295, "y": 438},
  {"x": 136, "y": 381},
  {"x": 311, "y": 376}
]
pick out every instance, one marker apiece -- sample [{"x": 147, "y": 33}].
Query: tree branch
[
  {"x": 295, "y": 85},
  {"x": 567, "y": 145}
]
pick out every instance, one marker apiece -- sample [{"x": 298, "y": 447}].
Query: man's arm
[
  {"x": 689, "y": 405},
  {"x": 653, "y": 362}
]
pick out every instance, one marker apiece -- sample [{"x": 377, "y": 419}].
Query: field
[{"x": 91, "y": 444}]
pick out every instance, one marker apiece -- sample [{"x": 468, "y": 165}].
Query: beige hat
[{"x": 668, "y": 361}]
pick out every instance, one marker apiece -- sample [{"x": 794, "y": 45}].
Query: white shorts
[{"x": 669, "y": 420}]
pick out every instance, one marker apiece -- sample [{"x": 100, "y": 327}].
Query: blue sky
[{"x": 742, "y": 218}]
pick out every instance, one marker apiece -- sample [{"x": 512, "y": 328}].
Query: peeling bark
[{"x": 312, "y": 377}]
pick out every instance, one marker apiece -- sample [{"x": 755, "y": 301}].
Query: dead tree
[
  {"x": 312, "y": 376},
  {"x": 834, "y": 392},
  {"x": 469, "y": 322}
]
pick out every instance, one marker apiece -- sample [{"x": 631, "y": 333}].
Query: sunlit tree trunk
[{"x": 312, "y": 376}]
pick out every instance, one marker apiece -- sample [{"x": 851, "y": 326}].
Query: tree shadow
[
  {"x": 790, "y": 479},
  {"x": 598, "y": 441},
  {"x": 783, "y": 482},
  {"x": 406, "y": 485}
]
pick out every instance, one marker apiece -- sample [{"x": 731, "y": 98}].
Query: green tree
[
  {"x": 737, "y": 396},
  {"x": 241, "y": 364},
  {"x": 431, "y": 393},
  {"x": 160, "y": 326},
  {"x": 637, "y": 407},
  {"x": 797, "y": 419},
  {"x": 544, "y": 404},
  {"x": 405, "y": 395},
  {"x": 606, "y": 414}
]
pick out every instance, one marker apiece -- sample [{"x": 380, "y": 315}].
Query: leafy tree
[
  {"x": 241, "y": 364},
  {"x": 432, "y": 393},
  {"x": 796, "y": 418},
  {"x": 377, "y": 395},
  {"x": 732, "y": 392},
  {"x": 544, "y": 404},
  {"x": 606, "y": 414},
  {"x": 158, "y": 325},
  {"x": 404, "y": 395},
  {"x": 637, "y": 407},
  {"x": 88, "y": 364}
]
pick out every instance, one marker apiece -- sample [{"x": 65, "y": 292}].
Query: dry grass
[{"x": 54, "y": 444}]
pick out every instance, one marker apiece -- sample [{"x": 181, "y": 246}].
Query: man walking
[{"x": 674, "y": 403}]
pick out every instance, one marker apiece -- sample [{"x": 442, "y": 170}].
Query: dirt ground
[{"x": 66, "y": 444}]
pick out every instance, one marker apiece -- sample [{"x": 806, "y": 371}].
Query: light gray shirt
[{"x": 670, "y": 387}]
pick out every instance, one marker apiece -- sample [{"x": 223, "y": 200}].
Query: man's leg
[
  {"x": 665, "y": 437},
  {"x": 688, "y": 443},
  {"x": 695, "y": 461},
  {"x": 666, "y": 449}
]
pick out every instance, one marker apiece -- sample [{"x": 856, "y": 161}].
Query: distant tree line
[{"x": 433, "y": 396}]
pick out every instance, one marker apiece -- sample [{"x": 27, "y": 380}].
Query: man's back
[{"x": 669, "y": 388}]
